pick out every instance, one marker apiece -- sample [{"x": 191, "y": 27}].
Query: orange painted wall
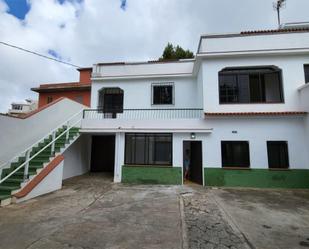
[
  {"x": 84, "y": 76},
  {"x": 68, "y": 94}
]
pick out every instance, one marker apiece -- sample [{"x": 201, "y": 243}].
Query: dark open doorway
[
  {"x": 192, "y": 160},
  {"x": 103, "y": 154}
]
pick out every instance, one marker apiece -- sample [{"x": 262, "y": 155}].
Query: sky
[{"x": 84, "y": 32}]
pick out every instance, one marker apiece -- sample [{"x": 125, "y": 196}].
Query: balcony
[
  {"x": 145, "y": 120},
  {"x": 145, "y": 114}
]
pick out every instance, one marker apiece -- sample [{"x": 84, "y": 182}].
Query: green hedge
[
  {"x": 151, "y": 175},
  {"x": 258, "y": 178}
]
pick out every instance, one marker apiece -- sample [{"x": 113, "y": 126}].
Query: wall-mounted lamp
[{"x": 193, "y": 136}]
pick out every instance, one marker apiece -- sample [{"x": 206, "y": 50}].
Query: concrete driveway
[
  {"x": 268, "y": 218},
  {"x": 91, "y": 212}
]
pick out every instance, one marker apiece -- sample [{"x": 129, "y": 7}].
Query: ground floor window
[
  {"x": 148, "y": 149},
  {"x": 278, "y": 156},
  {"x": 235, "y": 154}
]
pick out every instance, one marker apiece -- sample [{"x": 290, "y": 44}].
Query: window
[
  {"x": 235, "y": 154},
  {"x": 79, "y": 99},
  {"x": 250, "y": 85},
  {"x": 278, "y": 156},
  {"x": 148, "y": 149},
  {"x": 49, "y": 99},
  {"x": 111, "y": 102},
  {"x": 17, "y": 107},
  {"x": 306, "y": 69},
  {"x": 163, "y": 94}
]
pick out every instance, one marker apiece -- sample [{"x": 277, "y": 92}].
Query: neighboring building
[
  {"x": 77, "y": 91},
  {"x": 19, "y": 109}
]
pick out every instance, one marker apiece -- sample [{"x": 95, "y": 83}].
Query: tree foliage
[{"x": 175, "y": 53}]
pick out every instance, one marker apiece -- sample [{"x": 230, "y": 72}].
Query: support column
[{"x": 119, "y": 155}]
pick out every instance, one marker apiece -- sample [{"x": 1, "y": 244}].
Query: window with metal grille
[
  {"x": 235, "y": 154},
  {"x": 250, "y": 85},
  {"x": 163, "y": 94},
  {"x": 148, "y": 149}
]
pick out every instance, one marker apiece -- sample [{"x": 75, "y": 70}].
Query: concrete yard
[{"x": 91, "y": 212}]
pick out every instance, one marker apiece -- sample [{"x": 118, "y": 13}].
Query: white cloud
[{"x": 99, "y": 30}]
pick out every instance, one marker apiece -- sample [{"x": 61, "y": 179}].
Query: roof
[
  {"x": 119, "y": 63},
  {"x": 76, "y": 86},
  {"x": 84, "y": 69},
  {"x": 275, "y": 31},
  {"x": 285, "y": 113},
  {"x": 257, "y": 32}
]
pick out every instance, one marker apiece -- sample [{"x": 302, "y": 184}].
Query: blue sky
[{"x": 19, "y": 8}]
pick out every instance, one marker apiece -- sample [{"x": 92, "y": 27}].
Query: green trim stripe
[
  {"x": 152, "y": 175},
  {"x": 257, "y": 178}
]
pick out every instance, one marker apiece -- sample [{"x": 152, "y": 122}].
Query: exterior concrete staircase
[{"x": 24, "y": 168}]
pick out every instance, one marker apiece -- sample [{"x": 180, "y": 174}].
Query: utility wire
[{"x": 35, "y": 53}]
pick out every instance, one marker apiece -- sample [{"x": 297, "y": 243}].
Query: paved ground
[
  {"x": 90, "y": 212},
  {"x": 268, "y": 218}
]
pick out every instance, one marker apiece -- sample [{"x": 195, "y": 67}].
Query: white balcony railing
[{"x": 140, "y": 114}]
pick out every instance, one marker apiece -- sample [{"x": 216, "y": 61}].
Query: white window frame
[{"x": 163, "y": 84}]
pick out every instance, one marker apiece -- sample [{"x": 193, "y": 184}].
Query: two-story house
[
  {"x": 238, "y": 111},
  {"x": 235, "y": 115}
]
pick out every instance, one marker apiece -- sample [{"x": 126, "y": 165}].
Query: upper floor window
[
  {"x": 163, "y": 94},
  {"x": 79, "y": 99},
  {"x": 17, "y": 107},
  {"x": 111, "y": 101},
  {"x": 49, "y": 99},
  {"x": 250, "y": 85},
  {"x": 306, "y": 69}
]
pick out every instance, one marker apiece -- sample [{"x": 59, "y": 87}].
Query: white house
[
  {"x": 237, "y": 114},
  {"x": 238, "y": 110},
  {"x": 23, "y": 107}
]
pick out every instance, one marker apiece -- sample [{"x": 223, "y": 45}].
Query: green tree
[{"x": 175, "y": 53}]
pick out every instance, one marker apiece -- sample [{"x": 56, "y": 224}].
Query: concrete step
[{"x": 5, "y": 200}]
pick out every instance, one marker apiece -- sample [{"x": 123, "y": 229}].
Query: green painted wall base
[
  {"x": 152, "y": 175},
  {"x": 257, "y": 178}
]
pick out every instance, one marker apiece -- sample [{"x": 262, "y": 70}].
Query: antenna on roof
[{"x": 277, "y": 7}]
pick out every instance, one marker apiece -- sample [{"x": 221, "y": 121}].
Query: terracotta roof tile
[
  {"x": 294, "y": 30},
  {"x": 286, "y": 113}
]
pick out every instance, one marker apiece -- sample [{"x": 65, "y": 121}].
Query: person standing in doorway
[{"x": 187, "y": 164}]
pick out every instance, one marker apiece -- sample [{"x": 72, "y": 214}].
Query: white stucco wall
[
  {"x": 258, "y": 130},
  {"x": 137, "y": 92},
  {"x": 257, "y": 42},
  {"x": 143, "y": 69},
  {"x": 77, "y": 157},
  {"x": 18, "y": 134},
  {"x": 292, "y": 75},
  {"x": 52, "y": 182}
]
